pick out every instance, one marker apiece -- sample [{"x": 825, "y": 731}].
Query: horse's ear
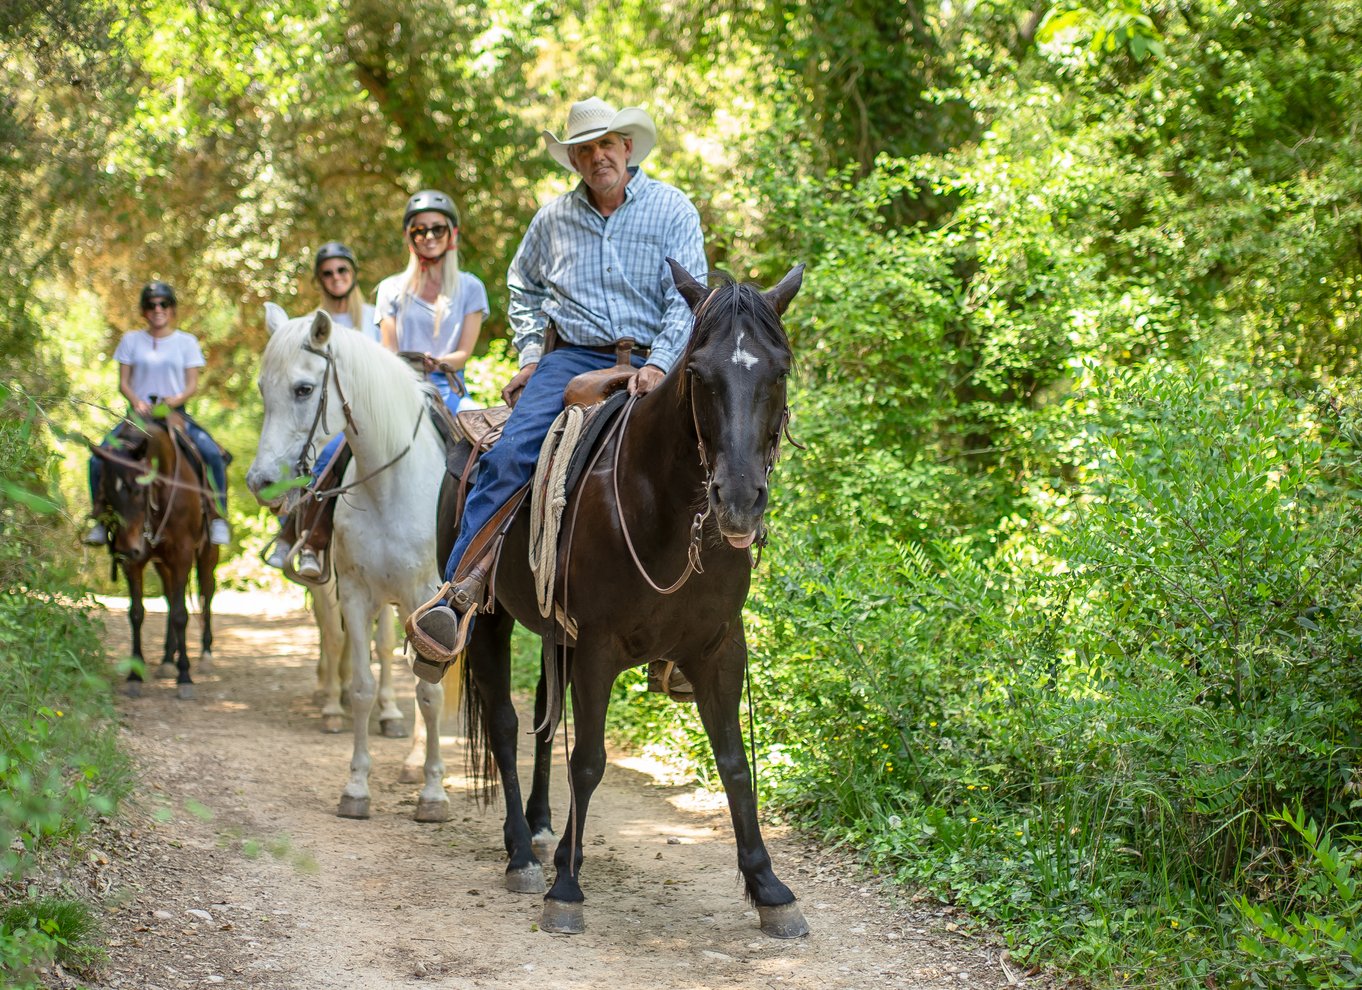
[
  {"x": 275, "y": 317},
  {"x": 779, "y": 297},
  {"x": 321, "y": 328},
  {"x": 692, "y": 291}
]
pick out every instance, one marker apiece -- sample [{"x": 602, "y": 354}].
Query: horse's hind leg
[
  {"x": 718, "y": 681},
  {"x": 167, "y": 668},
  {"x": 208, "y": 584},
  {"x": 390, "y": 720},
  {"x": 537, "y": 810},
  {"x": 492, "y": 716},
  {"x": 332, "y": 672},
  {"x": 177, "y": 630}
]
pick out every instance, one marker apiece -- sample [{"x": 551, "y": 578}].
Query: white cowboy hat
[{"x": 594, "y": 118}]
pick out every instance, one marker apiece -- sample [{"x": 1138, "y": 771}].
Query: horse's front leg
[
  {"x": 208, "y": 584},
  {"x": 718, "y": 680},
  {"x": 330, "y": 677},
  {"x": 489, "y": 684},
  {"x": 592, "y": 676},
  {"x": 433, "y": 803},
  {"x": 390, "y": 720},
  {"x": 136, "y": 613},
  {"x": 358, "y": 610}
]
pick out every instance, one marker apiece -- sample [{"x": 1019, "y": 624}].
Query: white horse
[{"x": 316, "y": 382}]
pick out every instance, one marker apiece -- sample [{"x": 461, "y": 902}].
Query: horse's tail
[{"x": 479, "y": 761}]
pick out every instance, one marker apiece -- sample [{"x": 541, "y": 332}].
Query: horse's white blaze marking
[{"x": 740, "y": 356}]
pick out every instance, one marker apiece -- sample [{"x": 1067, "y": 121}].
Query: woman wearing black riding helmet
[
  {"x": 337, "y": 275},
  {"x": 159, "y": 366},
  {"x": 433, "y": 308}
]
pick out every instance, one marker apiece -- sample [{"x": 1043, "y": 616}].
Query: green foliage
[
  {"x": 38, "y": 931},
  {"x": 1060, "y": 605},
  {"x": 1317, "y": 940}
]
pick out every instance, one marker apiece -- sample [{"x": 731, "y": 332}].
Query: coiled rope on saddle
[{"x": 548, "y": 498}]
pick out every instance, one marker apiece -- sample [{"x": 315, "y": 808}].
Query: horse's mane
[
  {"x": 731, "y": 303},
  {"x": 375, "y": 378}
]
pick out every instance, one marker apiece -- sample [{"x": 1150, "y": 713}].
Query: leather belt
[{"x": 612, "y": 349}]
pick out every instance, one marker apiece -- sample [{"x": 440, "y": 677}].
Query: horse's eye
[{"x": 302, "y": 391}]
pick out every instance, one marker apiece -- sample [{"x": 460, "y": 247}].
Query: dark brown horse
[
  {"x": 677, "y": 491},
  {"x": 157, "y": 513}
]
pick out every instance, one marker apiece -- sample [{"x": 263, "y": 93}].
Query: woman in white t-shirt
[
  {"x": 160, "y": 366},
  {"x": 434, "y": 309}
]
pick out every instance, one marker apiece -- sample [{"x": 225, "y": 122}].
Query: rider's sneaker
[
  {"x": 218, "y": 533},
  {"x": 280, "y": 555},
  {"x": 97, "y": 537},
  {"x": 308, "y": 565}
]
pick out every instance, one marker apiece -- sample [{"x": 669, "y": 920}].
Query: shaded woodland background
[{"x": 1060, "y": 619}]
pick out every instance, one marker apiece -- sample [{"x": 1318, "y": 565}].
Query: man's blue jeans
[{"x": 510, "y": 463}]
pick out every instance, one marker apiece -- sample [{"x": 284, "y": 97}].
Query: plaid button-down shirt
[{"x": 601, "y": 279}]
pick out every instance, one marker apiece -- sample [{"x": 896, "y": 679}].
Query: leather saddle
[{"x": 470, "y": 434}]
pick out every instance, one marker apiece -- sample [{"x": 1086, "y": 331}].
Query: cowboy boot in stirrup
[{"x": 439, "y": 633}]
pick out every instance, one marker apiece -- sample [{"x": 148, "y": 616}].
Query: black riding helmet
[
  {"x": 157, "y": 290},
  {"x": 430, "y": 200},
  {"x": 334, "y": 249}
]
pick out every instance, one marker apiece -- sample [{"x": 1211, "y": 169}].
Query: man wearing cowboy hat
[{"x": 592, "y": 266}]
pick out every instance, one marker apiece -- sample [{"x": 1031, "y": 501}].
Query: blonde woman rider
[{"x": 433, "y": 309}]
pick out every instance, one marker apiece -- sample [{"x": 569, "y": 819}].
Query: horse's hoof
[
  {"x": 167, "y": 670},
  {"x": 205, "y": 661},
  {"x": 133, "y": 689},
  {"x": 544, "y": 843},
  {"x": 528, "y": 880},
  {"x": 783, "y": 921},
  {"x": 185, "y": 692},
  {"x": 332, "y": 724},
  {"x": 411, "y": 773},
  {"x": 353, "y": 807},
  {"x": 432, "y": 811},
  {"x": 393, "y": 728},
  {"x": 562, "y": 918}
]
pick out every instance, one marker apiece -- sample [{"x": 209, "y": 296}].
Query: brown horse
[
  {"x": 158, "y": 514},
  {"x": 658, "y": 567}
]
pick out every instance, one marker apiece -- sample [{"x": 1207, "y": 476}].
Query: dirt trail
[{"x": 235, "y": 821}]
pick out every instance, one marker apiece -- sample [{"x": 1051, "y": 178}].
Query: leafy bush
[
  {"x": 1318, "y": 941},
  {"x": 59, "y": 762},
  {"x": 38, "y": 931}
]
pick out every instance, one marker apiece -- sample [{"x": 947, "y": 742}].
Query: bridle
[
  {"x": 697, "y": 526},
  {"x": 307, "y": 455}
]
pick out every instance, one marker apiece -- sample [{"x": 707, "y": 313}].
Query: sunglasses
[
  {"x": 335, "y": 272},
  {"x": 420, "y": 233},
  {"x": 160, "y": 304}
]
